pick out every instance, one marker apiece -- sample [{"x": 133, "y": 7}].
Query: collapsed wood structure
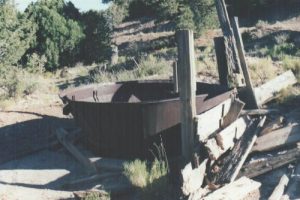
[
  {"x": 216, "y": 138},
  {"x": 214, "y": 129}
]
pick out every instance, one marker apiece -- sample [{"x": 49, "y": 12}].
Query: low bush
[
  {"x": 15, "y": 82},
  {"x": 261, "y": 70}
]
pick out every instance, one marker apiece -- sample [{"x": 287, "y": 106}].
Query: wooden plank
[
  {"x": 250, "y": 98},
  {"x": 225, "y": 139},
  {"x": 193, "y": 178},
  {"x": 294, "y": 185},
  {"x": 175, "y": 77},
  {"x": 235, "y": 109},
  {"x": 107, "y": 164},
  {"x": 230, "y": 44},
  {"x": 223, "y": 68},
  {"x": 229, "y": 166},
  {"x": 187, "y": 88},
  {"x": 279, "y": 138},
  {"x": 211, "y": 120},
  {"x": 237, "y": 190},
  {"x": 62, "y": 138},
  {"x": 259, "y": 112},
  {"x": 268, "y": 91},
  {"x": 264, "y": 165},
  {"x": 279, "y": 189}
]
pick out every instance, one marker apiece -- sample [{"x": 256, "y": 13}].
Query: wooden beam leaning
[
  {"x": 231, "y": 50},
  {"x": 62, "y": 138},
  {"x": 250, "y": 96},
  {"x": 187, "y": 88}
]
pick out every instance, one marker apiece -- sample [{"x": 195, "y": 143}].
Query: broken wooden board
[
  {"x": 259, "y": 112},
  {"x": 225, "y": 139},
  {"x": 211, "y": 120},
  {"x": 193, "y": 178},
  {"x": 236, "y": 108},
  {"x": 237, "y": 190},
  {"x": 276, "y": 139},
  {"x": 292, "y": 191},
  {"x": 62, "y": 138},
  {"x": 268, "y": 91},
  {"x": 279, "y": 189},
  {"x": 107, "y": 164},
  {"x": 264, "y": 165},
  {"x": 229, "y": 166}
]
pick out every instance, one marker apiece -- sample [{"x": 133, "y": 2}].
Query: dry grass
[
  {"x": 261, "y": 70},
  {"x": 292, "y": 64}
]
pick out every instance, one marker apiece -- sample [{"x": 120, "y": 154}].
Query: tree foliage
[
  {"x": 192, "y": 14},
  {"x": 57, "y": 36},
  {"x": 96, "y": 45},
  {"x": 16, "y": 35}
]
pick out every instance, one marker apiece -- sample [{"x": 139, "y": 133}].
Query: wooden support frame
[
  {"x": 223, "y": 65},
  {"x": 250, "y": 98},
  {"x": 187, "y": 88}
]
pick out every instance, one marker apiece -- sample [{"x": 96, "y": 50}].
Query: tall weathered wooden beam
[
  {"x": 223, "y": 67},
  {"x": 187, "y": 88},
  {"x": 250, "y": 99},
  {"x": 231, "y": 51}
]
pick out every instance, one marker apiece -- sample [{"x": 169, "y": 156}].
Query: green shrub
[
  {"x": 292, "y": 64},
  {"x": 36, "y": 64},
  {"x": 16, "y": 82},
  {"x": 147, "y": 67}
]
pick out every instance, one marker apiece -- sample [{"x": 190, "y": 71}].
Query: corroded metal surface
[{"x": 123, "y": 119}]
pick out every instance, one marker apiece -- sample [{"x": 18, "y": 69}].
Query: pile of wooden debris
[{"x": 241, "y": 144}]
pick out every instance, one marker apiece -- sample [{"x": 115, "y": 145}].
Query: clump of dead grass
[{"x": 261, "y": 70}]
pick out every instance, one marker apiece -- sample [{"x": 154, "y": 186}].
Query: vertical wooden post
[
  {"x": 222, "y": 61},
  {"x": 250, "y": 96},
  {"x": 175, "y": 77},
  {"x": 187, "y": 88}
]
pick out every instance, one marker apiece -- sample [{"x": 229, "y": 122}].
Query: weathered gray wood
[
  {"x": 294, "y": 185},
  {"x": 234, "y": 112},
  {"x": 279, "y": 189},
  {"x": 223, "y": 68},
  {"x": 268, "y": 91},
  {"x": 225, "y": 139},
  {"x": 230, "y": 165},
  {"x": 193, "y": 178},
  {"x": 264, "y": 165},
  {"x": 248, "y": 149},
  {"x": 187, "y": 88},
  {"x": 175, "y": 77},
  {"x": 250, "y": 98},
  {"x": 62, "y": 138},
  {"x": 259, "y": 112},
  {"x": 237, "y": 190},
  {"x": 211, "y": 120},
  {"x": 279, "y": 138},
  {"x": 231, "y": 51}
]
